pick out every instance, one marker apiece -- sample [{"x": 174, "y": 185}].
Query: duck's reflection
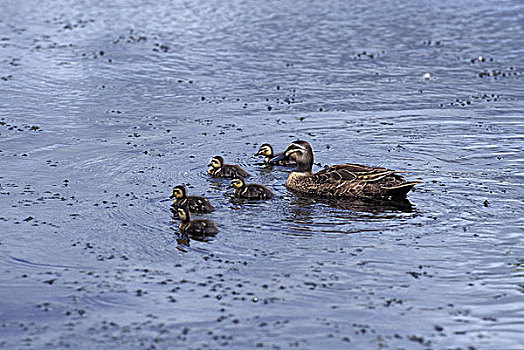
[
  {"x": 304, "y": 209},
  {"x": 184, "y": 240}
]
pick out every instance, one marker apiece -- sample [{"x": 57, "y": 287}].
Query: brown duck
[
  {"x": 195, "y": 227},
  {"x": 267, "y": 151},
  {"x": 344, "y": 180},
  {"x": 220, "y": 169},
  {"x": 250, "y": 191},
  {"x": 195, "y": 204}
]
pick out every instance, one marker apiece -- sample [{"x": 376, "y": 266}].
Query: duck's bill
[
  {"x": 209, "y": 164},
  {"x": 172, "y": 196},
  {"x": 278, "y": 158}
]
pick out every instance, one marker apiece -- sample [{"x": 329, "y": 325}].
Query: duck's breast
[{"x": 299, "y": 181}]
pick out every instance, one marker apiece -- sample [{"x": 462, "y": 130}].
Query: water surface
[{"x": 105, "y": 106}]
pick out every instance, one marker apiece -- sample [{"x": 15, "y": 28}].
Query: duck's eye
[{"x": 291, "y": 151}]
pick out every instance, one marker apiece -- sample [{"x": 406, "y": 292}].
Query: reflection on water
[
  {"x": 306, "y": 214},
  {"x": 106, "y": 107},
  {"x": 356, "y": 205}
]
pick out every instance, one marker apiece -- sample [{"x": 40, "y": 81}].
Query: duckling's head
[
  {"x": 302, "y": 153},
  {"x": 216, "y": 162},
  {"x": 265, "y": 150},
  {"x": 179, "y": 192},
  {"x": 237, "y": 182},
  {"x": 183, "y": 214}
]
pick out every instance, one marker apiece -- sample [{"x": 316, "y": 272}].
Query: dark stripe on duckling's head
[
  {"x": 302, "y": 153},
  {"x": 179, "y": 192},
  {"x": 183, "y": 213},
  {"x": 265, "y": 150},
  {"x": 237, "y": 182},
  {"x": 216, "y": 162}
]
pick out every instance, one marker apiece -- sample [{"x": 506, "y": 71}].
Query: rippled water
[{"x": 105, "y": 106}]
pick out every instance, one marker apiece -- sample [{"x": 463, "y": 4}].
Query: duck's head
[
  {"x": 179, "y": 192},
  {"x": 216, "y": 162},
  {"x": 183, "y": 214},
  {"x": 301, "y": 152},
  {"x": 265, "y": 150},
  {"x": 237, "y": 182}
]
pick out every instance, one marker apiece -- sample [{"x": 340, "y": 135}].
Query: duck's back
[
  {"x": 229, "y": 170},
  {"x": 194, "y": 204},
  {"x": 199, "y": 227},
  {"x": 351, "y": 180},
  {"x": 254, "y": 191}
]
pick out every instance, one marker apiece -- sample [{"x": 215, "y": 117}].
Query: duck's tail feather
[{"x": 400, "y": 191}]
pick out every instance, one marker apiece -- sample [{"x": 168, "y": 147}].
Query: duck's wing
[
  {"x": 233, "y": 170},
  {"x": 199, "y": 204},
  {"x": 362, "y": 181},
  {"x": 255, "y": 191},
  {"x": 209, "y": 228},
  {"x": 241, "y": 171},
  {"x": 352, "y": 172},
  {"x": 261, "y": 191},
  {"x": 202, "y": 228}
]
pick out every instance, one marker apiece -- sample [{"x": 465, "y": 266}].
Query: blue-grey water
[{"x": 105, "y": 105}]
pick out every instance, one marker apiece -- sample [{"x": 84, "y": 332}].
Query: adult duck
[{"x": 344, "y": 180}]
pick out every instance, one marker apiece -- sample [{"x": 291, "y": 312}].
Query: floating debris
[
  {"x": 481, "y": 59},
  {"x": 497, "y": 73}
]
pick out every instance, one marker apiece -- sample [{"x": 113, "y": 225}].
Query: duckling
[
  {"x": 220, "y": 169},
  {"x": 250, "y": 191},
  {"x": 267, "y": 151},
  {"x": 194, "y": 204},
  {"x": 195, "y": 227},
  {"x": 344, "y": 180}
]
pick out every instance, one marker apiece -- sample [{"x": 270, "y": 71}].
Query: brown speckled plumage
[
  {"x": 220, "y": 169},
  {"x": 250, "y": 191},
  {"x": 195, "y": 204},
  {"x": 344, "y": 180}
]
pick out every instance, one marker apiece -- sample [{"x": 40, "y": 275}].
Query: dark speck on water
[{"x": 98, "y": 122}]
